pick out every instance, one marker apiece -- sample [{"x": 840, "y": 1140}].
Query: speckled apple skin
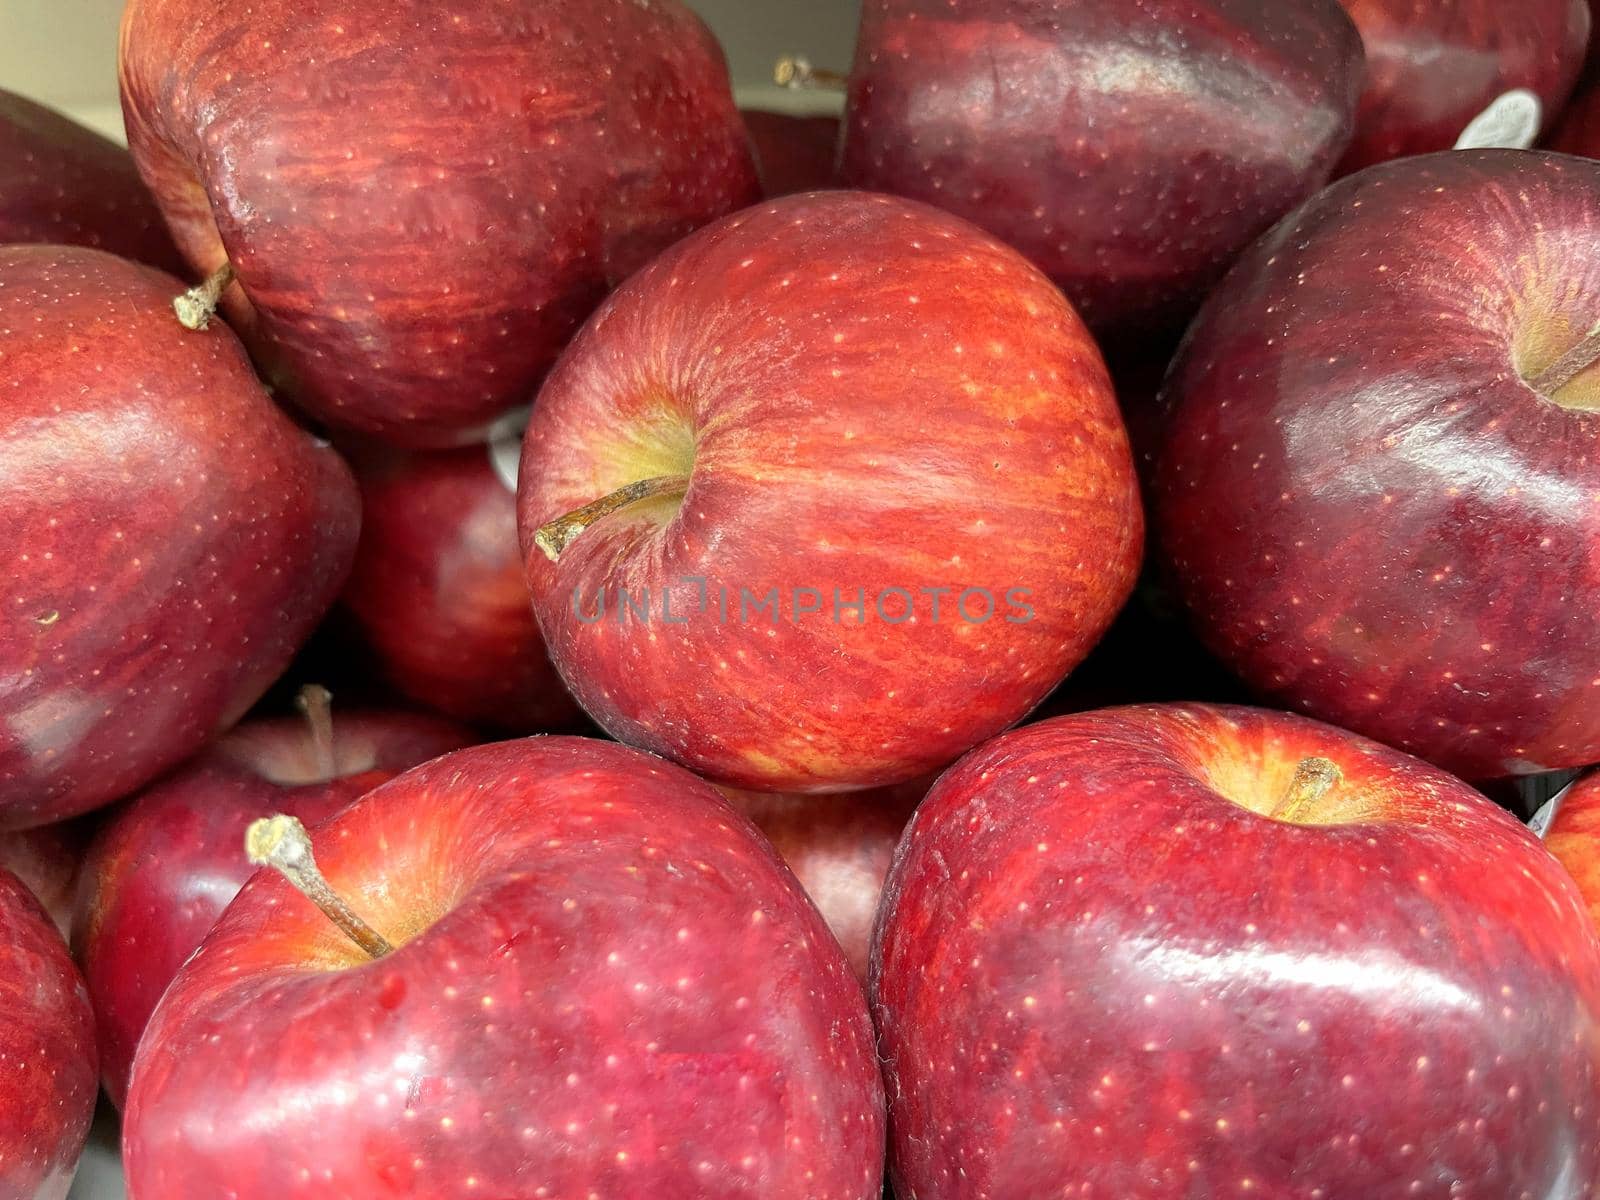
[
  {"x": 1096, "y": 974},
  {"x": 1434, "y": 65},
  {"x": 422, "y": 199},
  {"x": 1130, "y": 148},
  {"x": 438, "y": 598},
  {"x": 1574, "y": 838},
  {"x": 175, "y": 536},
  {"x": 1370, "y": 515},
  {"x": 163, "y": 867},
  {"x": 64, "y": 183},
  {"x": 47, "y": 1064},
  {"x": 620, "y": 991},
  {"x": 874, "y": 395}
]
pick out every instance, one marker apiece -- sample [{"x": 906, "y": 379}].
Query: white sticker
[
  {"x": 505, "y": 446},
  {"x": 1546, "y": 816},
  {"x": 1510, "y": 123}
]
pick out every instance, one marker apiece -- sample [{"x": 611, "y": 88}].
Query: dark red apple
[
  {"x": 47, "y": 1064},
  {"x": 1473, "y": 73},
  {"x": 163, "y": 868},
  {"x": 1130, "y": 148},
  {"x": 595, "y": 979},
  {"x": 1377, "y": 491},
  {"x": 1578, "y": 131},
  {"x": 831, "y": 400},
  {"x": 1574, "y": 838},
  {"x": 1204, "y": 951},
  {"x": 46, "y": 860},
  {"x": 437, "y": 595},
  {"x": 794, "y": 152},
  {"x": 421, "y": 201},
  {"x": 64, "y": 183},
  {"x": 171, "y": 536}
]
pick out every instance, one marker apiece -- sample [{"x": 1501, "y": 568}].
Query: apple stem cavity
[
  {"x": 557, "y": 535},
  {"x": 281, "y": 842},
  {"x": 1569, "y": 366},
  {"x": 198, "y": 305},
  {"x": 795, "y": 72},
  {"x": 316, "y": 703},
  {"x": 1313, "y": 779}
]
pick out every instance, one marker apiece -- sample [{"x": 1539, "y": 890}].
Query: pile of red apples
[{"x": 563, "y": 641}]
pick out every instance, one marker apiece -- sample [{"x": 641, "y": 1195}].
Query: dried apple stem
[
  {"x": 1313, "y": 779},
  {"x": 281, "y": 842},
  {"x": 198, "y": 305},
  {"x": 794, "y": 71},
  {"x": 316, "y": 703},
  {"x": 1569, "y": 366},
  {"x": 556, "y": 536}
]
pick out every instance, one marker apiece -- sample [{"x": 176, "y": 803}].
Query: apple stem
[
  {"x": 795, "y": 72},
  {"x": 316, "y": 703},
  {"x": 281, "y": 842},
  {"x": 198, "y": 305},
  {"x": 1313, "y": 779},
  {"x": 557, "y": 535},
  {"x": 1569, "y": 366}
]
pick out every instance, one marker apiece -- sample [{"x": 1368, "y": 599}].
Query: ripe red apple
[
  {"x": 47, "y": 1060},
  {"x": 1207, "y": 951},
  {"x": 46, "y": 860},
  {"x": 1578, "y": 131},
  {"x": 1479, "y": 73},
  {"x": 829, "y": 399},
  {"x": 599, "y": 980},
  {"x": 1574, "y": 838},
  {"x": 174, "y": 536},
  {"x": 420, "y": 202},
  {"x": 1375, "y": 494},
  {"x": 1130, "y": 148},
  {"x": 839, "y": 848},
  {"x": 163, "y": 868},
  {"x": 64, "y": 183},
  {"x": 437, "y": 594},
  {"x": 794, "y": 153}
]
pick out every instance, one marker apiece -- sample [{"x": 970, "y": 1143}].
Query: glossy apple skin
[
  {"x": 793, "y": 153},
  {"x": 615, "y": 988},
  {"x": 872, "y": 394},
  {"x": 47, "y": 1063},
  {"x": 839, "y": 848},
  {"x": 421, "y": 219},
  {"x": 65, "y": 183},
  {"x": 46, "y": 860},
  {"x": 1130, "y": 148},
  {"x": 1369, "y": 514},
  {"x": 1574, "y": 838},
  {"x": 178, "y": 537},
  {"x": 1434, "y": 65},
  {"x": 437, "y": 595},
  {"x": 1174, "y": 995},
  {"x": 165, "y": 865}
]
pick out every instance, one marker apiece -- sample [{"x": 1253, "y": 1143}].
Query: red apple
[
  {"x": 794, "y": 153},
  {"x": 1478, "y": 73},
  {"x": 421, "y": 201},
  {"x": 1376, "y": 494},
  {"x": 828, "y": 399},
  {"x": 1205, "y": 951},
  {"x": 1574, "y": 838},
  {"x": 64, "y": 183},
  {"x": 1130, "y": 148},
  {"x": 602, "y": 982},
  {"x": 174, "y": 536},
  {"x": 839, "y": 848},
  {"x": 47, "y": 1064},
  {"x": 46, "y": 860},
  {"x": 1578, "y": 131},
  {"x": 437, "y": 595},
  {"x": 163, "y": 868}
]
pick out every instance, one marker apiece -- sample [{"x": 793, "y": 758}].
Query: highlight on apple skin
[{"x": 769, "y": 424}]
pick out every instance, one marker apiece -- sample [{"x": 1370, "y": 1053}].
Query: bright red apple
[
  {"x": 437, "y": 595},
  {"x": 794, "y": 153},
  {"x": 594, "y": 978},
  {"x": 1574, "y": 838},
  {"x": 47, "y": 1064},
  {"x": 1474, "y": 73},
  {"x": 845, "y": 492},
  {"x": 1377, "y": 492},
  {"x": 421, "y": 201},
  {"x": 163, "y": 868},
  {"x": 46, "y": 860},
  {"x": 64, "y": 183},
  {"x": 1205, "y": 951},
  {"x": 1130, "y": 148},
  {"x": 173, "y": 537}
]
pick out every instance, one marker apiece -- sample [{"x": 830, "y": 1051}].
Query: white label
[
  {"x": 1546, "y": 816},
  {"x": 1510, "y": 123},
  {"x": 505, "y": 446}
]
